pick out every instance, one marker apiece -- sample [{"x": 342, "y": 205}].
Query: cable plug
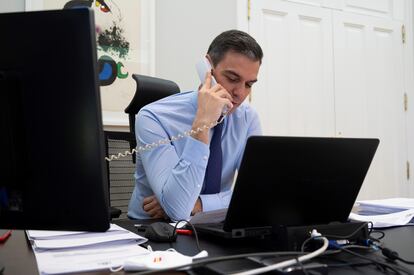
[
  {"x": 371, "y": 243},
  {"x": 314, "y": 233},
  {"x": 390, "y": 254}
]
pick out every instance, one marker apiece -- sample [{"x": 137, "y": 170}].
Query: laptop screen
[{"x": 298, "y": 180}]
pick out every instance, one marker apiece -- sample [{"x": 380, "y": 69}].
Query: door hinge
[
  {"x": 405, "y": 102},
  {"x": 408, "y": 170},
  {"x": 403, "y": 34},
  {"x": 248, "y": 10}
]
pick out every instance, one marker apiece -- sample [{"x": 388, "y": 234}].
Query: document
[
  {"x": 390, "y": 205},
  {"x": 385, "y": 212},
  {"x": 386, "y": 220},
  {"x": 105, "y": 256},
  {"x": 48, "y": 234},
  {"x": 68, "y": 251}
]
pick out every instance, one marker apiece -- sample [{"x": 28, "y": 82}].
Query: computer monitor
[{"x": 53, "y": 174}]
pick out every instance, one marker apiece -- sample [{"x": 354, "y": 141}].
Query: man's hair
[{"x": 236, "y": 41}]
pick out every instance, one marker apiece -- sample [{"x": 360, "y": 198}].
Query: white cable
[
  {"x": 288, "y": 262},
  {"x": 153, "y": 145}
]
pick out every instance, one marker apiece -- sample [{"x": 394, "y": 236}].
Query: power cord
[
  {"x": 194, "y": 231},
  {"x": 211, "y": 260},
  {"x": 382, "y": 264},
  {"x": 287, "y": 263},
  {"x": 393, "y": 255},
  {"x": 387, "y": 252}
]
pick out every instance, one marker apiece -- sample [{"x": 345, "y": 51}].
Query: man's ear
[{"x": 209, "y": 60}]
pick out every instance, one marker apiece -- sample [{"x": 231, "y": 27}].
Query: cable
[
  {"x": 150, "y": 146},
  {"x": 194, "y": 230},
  {"x": 349, "y": 235},
  {"x": 301, "y": 266},
  {"x": 220, "y": 259},
  {"x": 387, "y": 252},
  {"x": 393, "y": 255},
  {"x": 288, "y": 262},
  {"x": 394, "y": 269},
  {"x": 382, "y": 234}
]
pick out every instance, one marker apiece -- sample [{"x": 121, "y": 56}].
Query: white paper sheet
[
  {"x": 85, "y": 240},
  {"x": 85, "y": 259},
  {"x": 398, "y": 203},
  {"x": 386, "y": 220},
  {"x": 63, "y": 252},
  {"x": 48, "y": 234}
]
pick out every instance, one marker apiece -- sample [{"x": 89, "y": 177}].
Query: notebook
[{"x": 294, "y": 181}]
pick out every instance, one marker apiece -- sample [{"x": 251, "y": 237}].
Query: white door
[
  {"x": 294, "y": 94},
  {"x": 369, "y": 95},
  {"x": 331, "y": 73}
]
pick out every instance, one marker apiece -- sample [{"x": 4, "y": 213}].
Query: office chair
[
  {"x": 149, "y": 89},
  {"x": 121, "y": 171}
]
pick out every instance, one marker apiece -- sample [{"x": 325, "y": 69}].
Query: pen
[
  {"x": 5, "y": 236},
  {"x": 184, "y": 232}
]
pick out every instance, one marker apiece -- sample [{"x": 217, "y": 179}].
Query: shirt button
[
  {"x": 205, "y": 157},
  {"x": 198, "y": 185}
]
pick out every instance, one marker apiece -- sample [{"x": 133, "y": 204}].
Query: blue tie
[{"x": 212, "y": 179}]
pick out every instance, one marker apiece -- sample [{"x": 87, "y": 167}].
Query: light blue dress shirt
[{"x": 174, "y": 172}]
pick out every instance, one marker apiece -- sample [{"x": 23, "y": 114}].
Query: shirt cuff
[
  {"x": 196, "y": 152},
  {"x": 211, "y": 202}
]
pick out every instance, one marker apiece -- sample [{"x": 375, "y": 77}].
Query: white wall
[
  {"x": 183, "y": 32},
  {"x": 11, "y": 6}
]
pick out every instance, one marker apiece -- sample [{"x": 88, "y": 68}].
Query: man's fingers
[
  {"x": 207, "y": 80},
  {"x": 224, "y": 94},
  {"x": 158, "y": 215},
  {"x": 150, "y": 204},
  {"x": 154, "y": 211},
  {"x": 148, "y": 200}
]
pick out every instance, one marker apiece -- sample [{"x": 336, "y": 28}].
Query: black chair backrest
[
  {"x": 149, "y": 89},
  {"x": 120, "y": 173}
]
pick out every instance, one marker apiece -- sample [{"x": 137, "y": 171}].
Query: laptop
[{"x": 294, "y": 181}]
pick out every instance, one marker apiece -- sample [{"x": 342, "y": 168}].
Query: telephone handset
[{"x": 204, "y": 66}]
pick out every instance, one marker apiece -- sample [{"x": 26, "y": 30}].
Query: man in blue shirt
[{"x": 170, "y": 178}]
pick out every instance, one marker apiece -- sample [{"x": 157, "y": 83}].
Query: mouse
[{"x": 160, "y": 232}]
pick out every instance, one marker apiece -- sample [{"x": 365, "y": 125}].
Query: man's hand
[
  {"x": 153, "y": 208},
  {"x": 211, "y": 101},
  {"x": 198, "y": 207}
]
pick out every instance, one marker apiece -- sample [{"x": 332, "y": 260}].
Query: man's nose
[{"x": 239, "y": 90}]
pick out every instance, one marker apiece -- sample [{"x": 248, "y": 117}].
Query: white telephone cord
[{"x": 153, "y": 145}]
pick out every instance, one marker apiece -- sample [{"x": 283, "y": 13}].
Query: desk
[{"x": 17, "y": 256}]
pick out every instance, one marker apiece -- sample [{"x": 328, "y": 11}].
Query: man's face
[{"x": 236, "y": 73}]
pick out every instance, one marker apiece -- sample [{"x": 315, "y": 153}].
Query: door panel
[
  {"x": 369, "y": 94},
  {"x": 294, "y": 95}
]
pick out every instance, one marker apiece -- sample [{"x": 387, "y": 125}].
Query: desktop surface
[{"x": 17, "y": 256}]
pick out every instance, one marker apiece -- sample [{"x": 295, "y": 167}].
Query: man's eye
[{"x": 232, "y": 79}]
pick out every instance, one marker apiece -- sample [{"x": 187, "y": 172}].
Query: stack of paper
[
  {"x": 386, "y": 212},
  {"x": 68, "y": 251}
]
